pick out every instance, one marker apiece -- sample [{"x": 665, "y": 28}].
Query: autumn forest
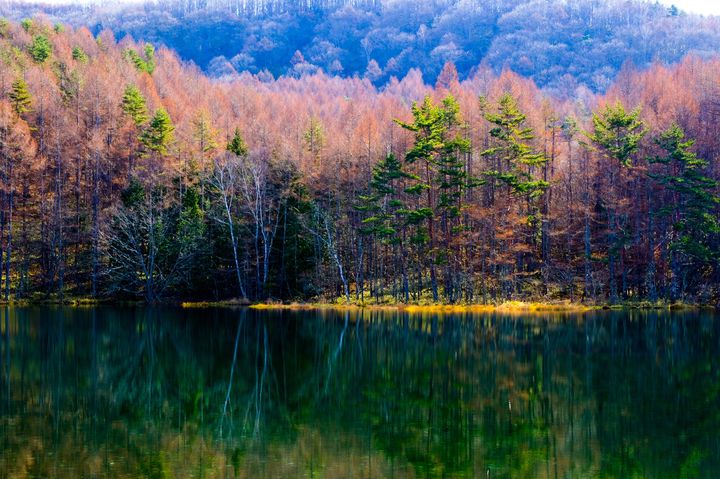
[{"x": 127, "y": 173}]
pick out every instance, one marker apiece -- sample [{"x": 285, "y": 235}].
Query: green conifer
[
  {"x": 20, "y": 97},
  {"x": 692, "y": 212},
  {"x": 237, "y": 145},
  {"x": 40, "y": 49},
  {"x": 79, "y": 55},
  {"x": 158, "y": 135},
  {"x": 133, "y": 104}
]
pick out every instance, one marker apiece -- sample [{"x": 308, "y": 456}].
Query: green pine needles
[
  {"x": 146, "y": 64},
  {"x": 133, "y": 105},
  {"x": 40, "y": 49},
  {"x": 20, "y": 97},
  {"x": 158, "y": 135},
  {"x": 692, "y": 199},
  {"x": 514, "y": 157}
]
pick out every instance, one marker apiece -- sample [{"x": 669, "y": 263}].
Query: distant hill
[{"x": 560, "y": 44}]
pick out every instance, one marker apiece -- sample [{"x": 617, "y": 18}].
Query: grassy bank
[
  {"x": 506, "y": 307},
  {"x": 341, "y": 305},
  {"x": 436, "y": 308},
  {"x": 43, "y": 300}
]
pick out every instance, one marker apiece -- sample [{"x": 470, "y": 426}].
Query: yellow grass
[
  {"x": 507, "y": 307},
  {"x": 213, "y": 304}
]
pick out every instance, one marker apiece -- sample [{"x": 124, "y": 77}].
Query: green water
[{"x": 234, "y": 393}]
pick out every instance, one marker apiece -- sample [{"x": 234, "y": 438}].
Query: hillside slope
[{"x": 559, "y": 44}]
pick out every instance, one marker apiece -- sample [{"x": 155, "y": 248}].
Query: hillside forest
[
  {"x": 563, "y": 46},
  {"x": 127, "y": 173}
]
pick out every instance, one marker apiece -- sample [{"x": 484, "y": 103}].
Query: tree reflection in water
[{"x": 106, "y": 392}]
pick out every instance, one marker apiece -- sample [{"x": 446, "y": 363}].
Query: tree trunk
[{"x": 587, "y": 256}]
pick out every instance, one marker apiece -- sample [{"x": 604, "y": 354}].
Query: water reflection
[{"x": 234, "y": 393}]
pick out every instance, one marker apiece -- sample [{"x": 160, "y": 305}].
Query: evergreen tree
[
  {"x": 383, "y": 203},
  {"x": 429, "y": 128},
  {"x": 133, "y": 195},
  {"x": 384, "y": 221},
  {"x": 79, "y": 55},
  {"x": 204, "y": 133},
  {"x": 514, "y": 162},
  {"x": 146, "y": 64},
  {"x": 237, "y": 145},
  {"x": 149, "y": 59},
  {"x": 515, "y": 159},
  {"x": 133, "y": 104},
  {"x": 40, "y": 49},
  {"x": 452, "y": 176},
  {"x": 158, "y": 135},
  {"x": 441, "y": 178},
  {"x": 616, "y": 134},
  {"x": 20, "y": 97},
  {"x": 314, "y": 137},
  {"x": 695, "y": 226},
  {"x": 190, "y": 240}
]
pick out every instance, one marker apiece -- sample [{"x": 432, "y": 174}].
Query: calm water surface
[{"x": 233, "y": 393}]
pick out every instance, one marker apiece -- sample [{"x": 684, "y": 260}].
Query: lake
[{"x": 226, "y": 393}]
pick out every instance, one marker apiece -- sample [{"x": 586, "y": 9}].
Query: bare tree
[
  {"x": 225, "y": 180},
  {"x": 263, "y": 199},
  {"x": 142, "y": 252},
  {"x": 323, "y": 228}
]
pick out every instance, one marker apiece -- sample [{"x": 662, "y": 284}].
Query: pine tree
[
  {"x": 515, "y": 159},
  {"x": 513, "y": 165},
  {"x": 383, "y": 203},
  {"x": 133, "y": 104},
  {"x": 314, "y": 137},
  {"x": 695, "y": 226},
  {"x": 20, "y": 97},
  {"x": 79, "y": 55},
  {"x": 441, "y": 179},
  {"x": 190, "y": 239},
  {"x": 617, "y": 135},
  {"x": 146, "y": 64},
  {"x": 428, "y": 126},
  {"x": 40, "y": 49},
  {"x": 204, "y": 133},
  {"x": 133, "y": 195},
  {"x": 158, "y": 135},
  {"x": 237, "y": 145},
  {"x": 149, "y": 59},
  {"x": 452, "y": 177},
  {"x": 384, "y": 220}
]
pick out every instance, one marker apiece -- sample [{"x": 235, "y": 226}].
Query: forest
[
  {"x": 127, "y": 173},
  {"x": 564, "y": 46}
]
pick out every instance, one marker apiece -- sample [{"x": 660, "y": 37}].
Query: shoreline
[
  {"x": 426, "y": 308},
  {"x": 505, "y": 307}
]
